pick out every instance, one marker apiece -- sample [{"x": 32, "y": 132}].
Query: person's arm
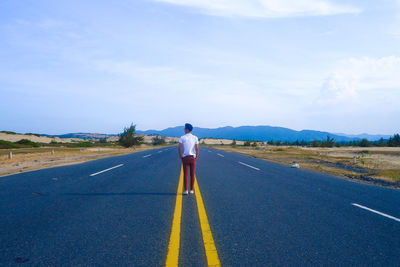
[
  {"x": 197, "y": 151},
  {"x": 180, "y": 150}
]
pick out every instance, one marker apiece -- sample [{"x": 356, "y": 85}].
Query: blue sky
[{"x": 97, "y": 66}]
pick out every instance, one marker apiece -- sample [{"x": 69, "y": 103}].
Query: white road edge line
[
  {"x": 247, "y": 165},
  {"x": 147, "y": 156},
  {"x": 220, "y": 155},
  {"x": 93, "y": 174},
  {"x": 375, "y": 211}
]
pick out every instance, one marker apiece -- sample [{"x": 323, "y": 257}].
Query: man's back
[{"x": 189, "y": 142}]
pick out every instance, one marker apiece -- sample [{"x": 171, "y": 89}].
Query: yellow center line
[
  {"x": 208, "y": 240},
  {"x": 174, "y": 240}
]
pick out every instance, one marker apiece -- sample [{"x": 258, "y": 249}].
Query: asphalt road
[{"x": 260, "y": 214}]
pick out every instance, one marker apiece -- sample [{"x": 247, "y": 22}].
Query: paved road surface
[{"x": 119, "y": 212}]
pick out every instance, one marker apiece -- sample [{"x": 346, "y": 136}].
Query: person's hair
[{"x": 188, "y": 126}]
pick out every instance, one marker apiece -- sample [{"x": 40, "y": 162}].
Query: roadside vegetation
[
  {"x": 393, "y": 141},
  {"x": 379, "y": 165},
  {"x": 129, "y": 138},
  {"x": 23, "y": 143},
  {"x": 372, "y": 161},
  {"x": 158, "y": 140}
]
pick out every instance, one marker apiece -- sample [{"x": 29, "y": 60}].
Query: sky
[{"x": 98, "y": 65}]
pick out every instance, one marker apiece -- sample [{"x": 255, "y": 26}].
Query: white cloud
[
  {"x": 362, "y": 78},
  {"x": 163, "y": 85},
  {"x": 266, "y": 8}
]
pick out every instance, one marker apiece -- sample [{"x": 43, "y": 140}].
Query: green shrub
[
  {"x": 84, "y": 144},
  {"x": 394, "y": 141},
  {"x": 315, "y": 143},
  {"x": 158, "y": 141},
  {"x": 364, "y": 143},
  {"x": 128, "y": 137},
  {"x": 329, "y": 142},
  {"x": 27, "y": 143},
  {"x": 6, "y": 144}
]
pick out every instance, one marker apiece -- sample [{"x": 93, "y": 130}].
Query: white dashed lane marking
[
  {"x": 93, "y": 174},
  {"x": 375, "y": 211},
  {"x": 247, "y": 165}
]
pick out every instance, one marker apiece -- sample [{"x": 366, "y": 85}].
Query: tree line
[{"x": 393, "y": 141}]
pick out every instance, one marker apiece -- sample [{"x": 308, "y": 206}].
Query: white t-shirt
[{"x": 189, "y": 142}]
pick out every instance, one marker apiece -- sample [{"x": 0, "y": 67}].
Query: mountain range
[{"x": 260, "y": 133}]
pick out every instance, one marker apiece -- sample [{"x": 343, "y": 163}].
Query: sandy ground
[
  {"x": 384, "y": 157},
  {"x": 46, "y": 140},
  {"x": 149, "y": 138},
  {"x": 380, "y": 163},
  {"x": 211, "y": 141},
  {"x": 37, "y": 139},
  {"x": 38, "y": 158}
]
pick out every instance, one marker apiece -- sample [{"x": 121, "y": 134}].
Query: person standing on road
[{"x": 189, "y": 153}]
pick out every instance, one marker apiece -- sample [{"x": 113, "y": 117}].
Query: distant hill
[{"x": 259, "y": 133}]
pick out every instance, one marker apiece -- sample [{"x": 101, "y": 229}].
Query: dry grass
[
  {"x": 26, "y": 159},
  {"x": 381, "y": 163},
  {"x": 394, "y": 174}
]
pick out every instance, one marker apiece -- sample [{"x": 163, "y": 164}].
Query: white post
[
  {"x": 52, "y": 151},
  {"x": 10, "y": 155},
  {"x": 354, "y": 160}
]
